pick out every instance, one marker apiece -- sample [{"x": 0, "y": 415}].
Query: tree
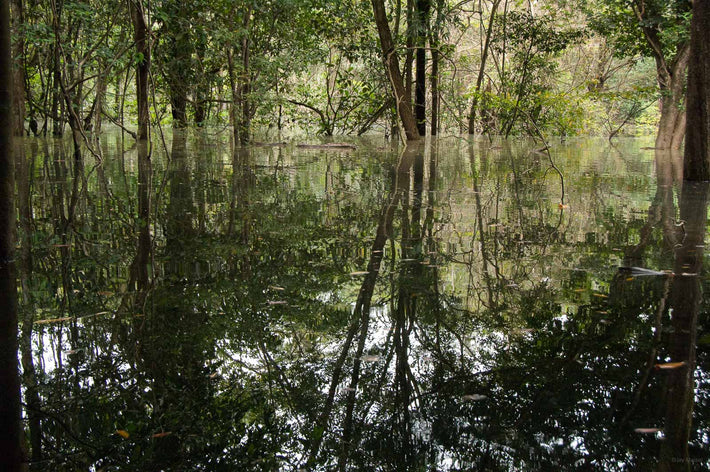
[
  {"x": 140, "y": 36},
  {"x": 656, "y": 29},
  {"x": 391, "y": 63},
  {"x": 10, "y": 433},
  {"x": 697, "y": 134}
]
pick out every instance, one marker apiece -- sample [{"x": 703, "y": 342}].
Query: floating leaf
[
  {"x": 670, "y": 365},
  {"x": 475, "y": 397},
  {"x": 123, "y": 433},
  {"x": 162, "y": 435},
  {"x": 647, "y": 430},
  {"x": 370, "y": 358}
]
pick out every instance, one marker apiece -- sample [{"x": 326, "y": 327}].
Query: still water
[{"x": 456, "y": 305}]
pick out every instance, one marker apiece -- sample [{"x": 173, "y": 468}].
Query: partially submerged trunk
[
  {"x": 391, "y": 63},
  {"x": 11, "y": 430}
]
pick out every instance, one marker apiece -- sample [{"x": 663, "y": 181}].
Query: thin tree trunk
[
  {"x": 11, "y": 430},
  {"x": 422, "y": 23},
  {"x": 140, "y": 36},
  {"x": 391, "y": 62},
  {"x": 697, "y": 135},
  {"x": 482, "y": 69},
  {"x": 18, "y": 69},
  {"x": 245, "y": 85}
]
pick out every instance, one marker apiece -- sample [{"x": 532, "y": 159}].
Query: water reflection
[{"x": 432, "y": 307}]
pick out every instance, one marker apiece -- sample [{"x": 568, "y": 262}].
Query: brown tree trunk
[
  {"x": 245, "y": 85},
  {"x": 671, "y": 126},
  {"x": 482, "y": 69},
  {"x": 391, "y": 62},
  {"x": 697, "y": 135},
  {"x": 434, "y": 89},
  {"x": 11, "y": 430},
  {"x": 422, "y": 22},
  {"x": 18, "y": 75},
  {"x": 140, "y": 36}
]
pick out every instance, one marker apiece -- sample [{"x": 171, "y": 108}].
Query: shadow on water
[{"x": 435, "y": 307}]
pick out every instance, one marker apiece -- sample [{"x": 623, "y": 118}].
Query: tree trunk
[
  {"x": 245, "y": 85},
  {"x": 697, "y": 134},
  {"x": 671, "y": 126},
  {"x": 391, "y": 63},
  {"x": 11, "y": 430},
  {"x": 18, "y": 76},
  {"x": 140, "y": 36},
  {"x": 482, "y": 69},
  {"x": 422, "y": 23},
  {"x": 434, "y": 89}
]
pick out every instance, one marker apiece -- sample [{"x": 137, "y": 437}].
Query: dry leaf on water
[
  {"x": 370, "y": 358},
  {"x": 647, "y": 430},
  {"x": 669, "y": 365},
  {"x": 475, "y": 397}
]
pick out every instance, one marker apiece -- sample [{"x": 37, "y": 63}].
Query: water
[{"x": 451, "y": 306}]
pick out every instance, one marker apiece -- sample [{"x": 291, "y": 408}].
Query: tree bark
[
  {"x": 697, "y": 126},
  {"x": 482, "y": 69},
  {"x": 140, "y": 36},
  {"x": 422, "y": 23},
  {"x": 11, "y": 430},
  {"x": 18, "y": 70},
  {"x": 671, "y": 80},
  {"x": 391, "y": 63}
]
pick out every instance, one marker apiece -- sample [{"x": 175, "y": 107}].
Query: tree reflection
[{"x": 431, "y": 309}]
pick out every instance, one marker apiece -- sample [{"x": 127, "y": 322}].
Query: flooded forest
[{"x": 354, "y": 235}]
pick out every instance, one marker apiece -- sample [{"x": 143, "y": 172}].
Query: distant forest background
[{"x": 499, "y": 67}]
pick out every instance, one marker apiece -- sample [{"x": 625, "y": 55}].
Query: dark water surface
[{"x": 435, "y": 308}]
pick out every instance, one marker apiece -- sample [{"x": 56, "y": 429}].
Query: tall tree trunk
[
  {"x": 391, "y": 62},
  {"x": 234, "y": 109},
  {"x": 57, "y": 103},
  {"x": 140, "y": 36},
  {"x": 671, "y": 80},
  {"x": 11, "y": 430},
  {"x": 409, "y": 55},
  {"x": 18, "y": 70},
  {"x": 434, "y": 90},
  {"x": 245, "y": 85},
  {"x": 482, "y": 69},
  {"x": 697, "y": 134},
  {"x": 422, "y": 26}
]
